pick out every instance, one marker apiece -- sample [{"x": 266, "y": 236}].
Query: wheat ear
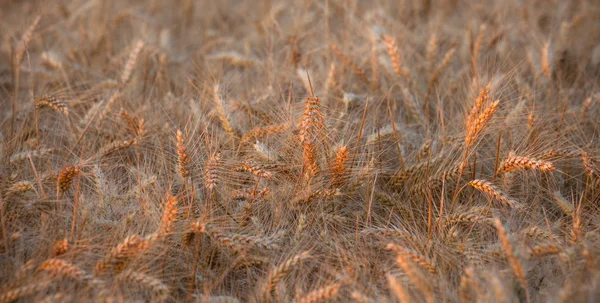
[
  {"x": 183, "y": 159},
  {"x": 514, "y": 162},
  {"x": 52, "y": 102},
  {"x": 321, "y": 294},
  {"x": 65, "y": 178},
  {"x": 158, "y": 288},
  {"x": 211, "y": 171},
  {"x": 514, "y": 262},
  {"x": 281, "y": 271},
  {"x": 355, "y": 68},
  {"x": 494, "y": 192},
  {"x": 405, "y": 261},
  {"x": 311, "y": 123},
  {"x": 169, "y": 215},
  {"x": 133, "y": 55}
]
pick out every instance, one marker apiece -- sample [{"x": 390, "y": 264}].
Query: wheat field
[{"x": 300, "y": 151}]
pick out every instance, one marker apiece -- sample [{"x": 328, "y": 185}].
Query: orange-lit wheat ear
[
  {"x": 493, "y": 191},
  {"x": 52, "y": 102},
  {"x": 169, "y": 215},
  {"x": 211, "y": 171},
  {"x": 129, "y": 248},
  {"x": 183, "y": 160},
  {"x": 513, "y": 162},
  {"x": 338, "y": 166},
  {"x": 477, "y": 123},
  {"x": 311, "y": 124},
  {"x": 65, "y": 178}
]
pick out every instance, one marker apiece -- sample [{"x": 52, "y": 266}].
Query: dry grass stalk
[
  {"x": 133, "y": 56},
  {"x": 183, "y": 160},
  {"x": 321, "y": 294},
  {"x": 514, "y": 162},
  {"x": 493, "y": 191},
  {"x": 515, "y": 264},
  {"x": 52, "y": 102}
]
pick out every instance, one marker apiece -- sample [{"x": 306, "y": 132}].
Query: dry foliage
[{"x": 307, "y": 151}]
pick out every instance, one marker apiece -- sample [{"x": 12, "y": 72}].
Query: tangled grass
[{"x": 308, "y": 151}]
